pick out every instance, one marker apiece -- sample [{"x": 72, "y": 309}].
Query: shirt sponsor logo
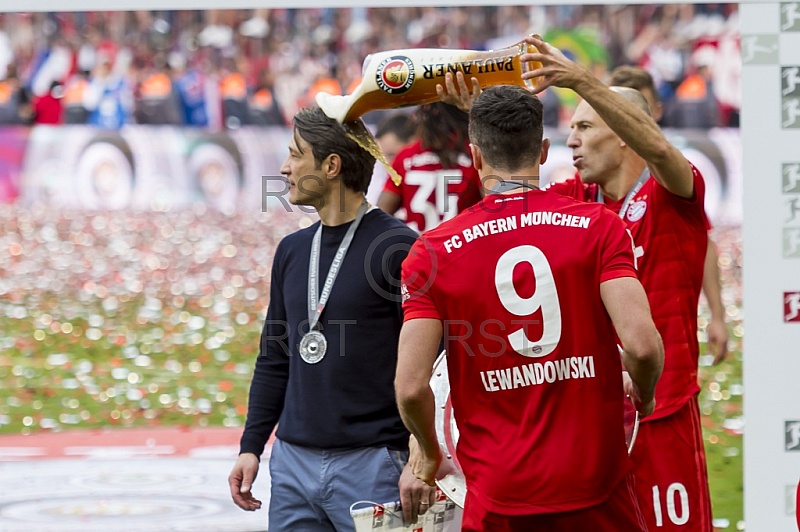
[
  {"x": 404, "y": 293},
  {"x": 791, "y": 307},
  {"x": 636, "y": 211},
  {"x": 792, "y": 433},
  {"x": 395, "y": 74}
]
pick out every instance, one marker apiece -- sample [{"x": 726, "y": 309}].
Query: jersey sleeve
[
  {"x": 691, "y": 209},
  {"x": 617, "y": 255},
  {"x": 571, "y": 188},
  {"x": 418, "y": 276}
]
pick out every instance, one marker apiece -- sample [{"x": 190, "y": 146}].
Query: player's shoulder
[
  {"x": 298, "y": 240},
  {"x": 598, "y": 212},
  {"x": 416, "y": 156},
  {"x": 388, "y": 227},
  {"x": 565, "y": 200},
  {"x": 449, "y": 227},
  {"x": 301, "y": 235},
  {"x": 573, "y": 187},
  {"x": 668, "y": 202},
  {"x": 697, "y": 176}
]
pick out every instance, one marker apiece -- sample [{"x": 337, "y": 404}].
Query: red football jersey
[
  {"x": 432, "y": 194},
  {"x": 670, "y": 235},
  {"x": 534, "y": 369}
]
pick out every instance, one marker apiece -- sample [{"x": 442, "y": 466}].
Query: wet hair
[
  {"x": 327, "y": 136},
  {"x": 443, "y": 128},
  {"x": 505, "y": 122},
  {"x": 634, "y": 78}
]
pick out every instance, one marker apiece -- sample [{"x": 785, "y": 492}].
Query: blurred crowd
[{"x": 229, "y": 68}]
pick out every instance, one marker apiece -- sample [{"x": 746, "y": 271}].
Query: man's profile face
[
  {"x": 307, "y": 182},
  {"x": 596, "y": 149}
]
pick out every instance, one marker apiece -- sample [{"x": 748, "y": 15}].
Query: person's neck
[
  {"x": 618, "y": 187},
  {"x": 490, "y": 177},
  {"x": 340, "y": 206}
]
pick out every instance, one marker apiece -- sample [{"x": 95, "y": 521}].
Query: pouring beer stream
[{"x": 399, "y": 78}]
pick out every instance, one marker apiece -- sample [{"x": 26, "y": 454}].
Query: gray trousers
[{"x": 312, "y": 489}]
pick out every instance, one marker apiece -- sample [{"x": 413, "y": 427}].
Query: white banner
[{"x": 771, "y": 245}]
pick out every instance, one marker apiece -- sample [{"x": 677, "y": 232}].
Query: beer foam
[{"x": 335, "y": 107}]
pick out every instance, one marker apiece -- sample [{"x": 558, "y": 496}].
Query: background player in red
[
  {"x": 625, "y": 161},
  {"x": 639, "y": 79},
  {"x": 394, "y": 133},
  {"x": 526, "y": 286},
  {"x": 439, "y": 180}
]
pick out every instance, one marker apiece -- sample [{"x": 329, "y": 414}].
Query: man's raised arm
[{"x": 629, "y": 121}]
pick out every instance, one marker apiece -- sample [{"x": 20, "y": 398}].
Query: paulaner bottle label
[
  {"x": 396, "y": 74},
  {"x": 399, "y": 78}
]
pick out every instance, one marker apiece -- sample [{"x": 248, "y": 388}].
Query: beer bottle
[{"x": 398, "y": 78}]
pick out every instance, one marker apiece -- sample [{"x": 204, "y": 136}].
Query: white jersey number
[
  {"x": 677, "y": 516},
  {"x": 445, "y": 205},
  {"x": 545, "y": 297}
]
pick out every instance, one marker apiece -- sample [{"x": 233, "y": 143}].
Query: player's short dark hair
[
  {"x": 633, "y": 77},
  {"x": 505, "y": 122},
  {"x": 326, "y": 136},
  {"x": 401, "y": 124}
]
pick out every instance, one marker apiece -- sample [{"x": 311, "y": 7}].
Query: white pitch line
[
  {"x": 120, "y": 451},
  {"x": 13, "y": 454}
]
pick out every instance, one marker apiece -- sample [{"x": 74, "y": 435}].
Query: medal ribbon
[
  {"x": 315, "y": 308},
  {"x": 640, "y": 181}
]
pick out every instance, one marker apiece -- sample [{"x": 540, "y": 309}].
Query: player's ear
[
  {"x": 332, "y": 165},
  {"x": 545, "y": 150},
  {"x": 477, "y": 158}
]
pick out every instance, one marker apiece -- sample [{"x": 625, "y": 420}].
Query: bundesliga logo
[
  {"x": 792, "y": 435},
  {"x": 395, "y": 74},
  {"x": 791, "y": 307}
]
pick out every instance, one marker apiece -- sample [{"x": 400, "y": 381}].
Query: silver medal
[{"x": 313, "y": 347}]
